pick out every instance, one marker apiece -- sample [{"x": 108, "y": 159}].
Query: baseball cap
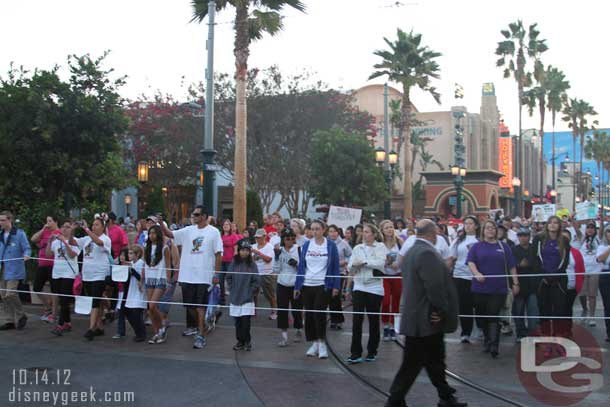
[
  {"x": 260, "y": 233},
  {"x": 523, "y": 232},
  {"x": 288, "y": 232},
  {"x": 152, "y": 218},
  {"x": 243, "y": 244}
]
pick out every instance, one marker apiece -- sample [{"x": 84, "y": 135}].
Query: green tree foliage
[
  {"x": 154, "y": 202},
  {"x": 254, "y": 208},
  {"x": 58, "y": 138},
  {"x": 343, "y": 170}
]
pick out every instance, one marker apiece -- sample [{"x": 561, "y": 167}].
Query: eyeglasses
[{"x": 195, "y": 214}]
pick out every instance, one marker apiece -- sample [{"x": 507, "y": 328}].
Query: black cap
[
  {"x": 288, "y": 232},
  {"x": 523, "y": 232},
  {"x": 244, "y": 244}
]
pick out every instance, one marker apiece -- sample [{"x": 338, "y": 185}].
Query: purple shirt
[
  {"x": 490, "y": 261},
  {"x": 550, "y": 257}
]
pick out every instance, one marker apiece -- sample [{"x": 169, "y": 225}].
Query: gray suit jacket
[{"x": 427, "y": 287}]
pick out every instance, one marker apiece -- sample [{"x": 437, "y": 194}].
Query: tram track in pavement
[{"x": 384, "y": 394}]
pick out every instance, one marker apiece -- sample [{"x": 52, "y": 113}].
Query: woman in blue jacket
[
  {"x": 317, "y": 280},
  {"x": 14, "y": 250}
]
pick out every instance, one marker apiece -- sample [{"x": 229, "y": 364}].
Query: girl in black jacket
[{"x": 551, "y": 255}]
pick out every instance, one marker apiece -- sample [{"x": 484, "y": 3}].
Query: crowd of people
[{"x": 510, "y": 275}]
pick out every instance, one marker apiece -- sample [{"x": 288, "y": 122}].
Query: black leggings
[
  {"x": 63, "y": 286},
  {"x": 242, "y": 329},
  {"x": 466, "y": 304},
  {"x": 371, "y": 304},
  {"x": 552, "y": 302},
  {"x": 315, "y": 298},
  {"x": 285, "y": 299},
  {"x": 487, "y": 305}
]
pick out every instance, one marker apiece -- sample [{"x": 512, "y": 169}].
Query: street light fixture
[
  {"x": 393, "y": 157},
  {"x": 143, "y": 172},
  {"x": 379, "y": 155},
  {"x": 516, "y": 182}
]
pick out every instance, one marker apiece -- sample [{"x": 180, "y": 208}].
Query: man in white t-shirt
[
  {"x": 201, "y": 258},
  {"x": 441, "y": 247},
  {"x": 262, "y": 253}
]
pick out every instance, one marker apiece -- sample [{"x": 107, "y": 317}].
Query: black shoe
[
  {"x": 21, "y": 323},
  {"x": 494, "y": 354},
  {"x": 248, "y": 347},
  {"x": 401, "y": 404},
  {"x": 451, "y": 402},
  {"x": 238, "y": 346},
  {"x": 333, "y": 326},
  {"x": 7, "y": 326},
  {"x": 138, "y": 339},
  {"x": 339, "y": 327},
  {"x": 89, "y": 335},
  {"x": 98, "y": 332}
]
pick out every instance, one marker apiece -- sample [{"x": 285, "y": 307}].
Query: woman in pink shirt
[
  {"x": 229, "y": 241},
  {"x": 45, "y": 267}
]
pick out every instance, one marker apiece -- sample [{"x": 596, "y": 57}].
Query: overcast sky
[{"x": 154, "y": 44}]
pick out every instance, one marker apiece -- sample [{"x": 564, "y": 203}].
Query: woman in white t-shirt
[
  {"x": 392, "y": 287},
  {"x": 64, "y": 249},
  {"x": 96, "y": 247},
  {"x": 366, "y": 266},
  {"x": 588, "y": 248},
  {"x": 156, "y": 275},
  {"x": 318, "y": 278},
  {"x": 462, "y": 276}
]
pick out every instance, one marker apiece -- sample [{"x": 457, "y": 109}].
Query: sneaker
[
  {"x": 117, "y": 336},
  {"x": 98, "y": 332},
  {"x": 298, "y": 336},
  {"x": 51, "y": 319},
  {"x": 339, "y": 327},
  {"x": 392, "y": 334},
  {"x": 283, "y": 343},
  {"x": 138, "y": 339},
  {"x": 238, "y": 346},
  {"x": 199, "y": 342},
  {"x": 465, "y": 339},
  {"x": 45, "y": 316},
  {"x": 353, "y": 360},
  {"x": 7, "y": 326},
  {"x": 190, "y": 332},
  {"x": 89, "y": 335},
  {"x": 506, "y": 330},
  {"x": 333, "y": 326},
  {"x": 322, "y": 351},
  {"x": 67, "y": 327},
  {"x": 386, "y": 335},
  {"x": 148, "y": 322},
  {"x": 313, "y": 350},
  {"x": 154, "y": 339},
  {"x": 273, "y": 316},
  {"x": 162, "y": 335},
  {"x": 248, "y": 347},
  {"x": 58, "y": 330},
  {"x": 21, "y": 322},
  {"x": 592, "y": 323},
  {"x": 370, "y": 358}
]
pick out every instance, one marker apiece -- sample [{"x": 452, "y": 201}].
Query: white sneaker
[
  {"x": 322, "y": 351},
  {"x": 298, "y": 336},
  {"x": 592, "y": 323},
  {"x": 313, "y": 350}
]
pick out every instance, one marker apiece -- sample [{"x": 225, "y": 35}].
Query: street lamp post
[
  {"x": 517, "y": 187},
  {"x": 459, "y": 173},
  {"x": 459, "y": 169},
  {"x": 390, "y": 159},
  {"x": 127, "y": 199}
]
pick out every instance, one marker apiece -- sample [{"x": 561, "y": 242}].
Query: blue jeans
[
  {"x": 523, "y": 305},
  {"x": 604, "y": 289}
]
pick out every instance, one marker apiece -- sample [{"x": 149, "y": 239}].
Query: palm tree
[
  {"x": 517, "y": 46},
  {"x": 556, "y": 86},
  {"x": 576, "y": 112},
  {"x": 253, "y": 18},
  {"x": 410, "y": 64},
  {"x": 597, "y": 148}
]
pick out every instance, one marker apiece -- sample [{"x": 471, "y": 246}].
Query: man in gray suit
[{"x": 429, "y": 310}]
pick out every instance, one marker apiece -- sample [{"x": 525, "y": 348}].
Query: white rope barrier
[{"x": 291, "y": 309}]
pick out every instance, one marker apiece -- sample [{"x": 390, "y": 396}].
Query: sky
[{"x": 155, "y": 45}]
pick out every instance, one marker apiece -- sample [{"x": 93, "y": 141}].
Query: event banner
[
  {"x": 344, "y": 217},
  {"x": 541, "y": 213}
]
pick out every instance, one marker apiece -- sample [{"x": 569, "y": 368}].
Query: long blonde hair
[{"x": 394, "y": 240}]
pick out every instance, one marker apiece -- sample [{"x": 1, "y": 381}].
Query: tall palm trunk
[
  {"x": 406, "y": 125},
  {"x": 553, "y": 116},
  {"x": 574, "y": 135},
  {"x": 241, "y": 64},
  {"x": 518, "y": 193},
  {"x": 582, "y": 145},
  {"x": 542, "y": 162}
]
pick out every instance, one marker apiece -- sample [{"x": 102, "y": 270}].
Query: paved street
[{"x": 175, "y": 374}]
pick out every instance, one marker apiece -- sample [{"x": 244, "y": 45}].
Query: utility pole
[
  {"x": 209, "y": 167},
  {"x": 387, "y": 205}
]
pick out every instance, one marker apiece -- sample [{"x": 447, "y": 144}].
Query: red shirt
[
  {"x": 228, "y": 246},
  {"x": 269, "y": 229},
  {"x": 43, "y": 260},
  {"x": 118, "y": 239}
]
